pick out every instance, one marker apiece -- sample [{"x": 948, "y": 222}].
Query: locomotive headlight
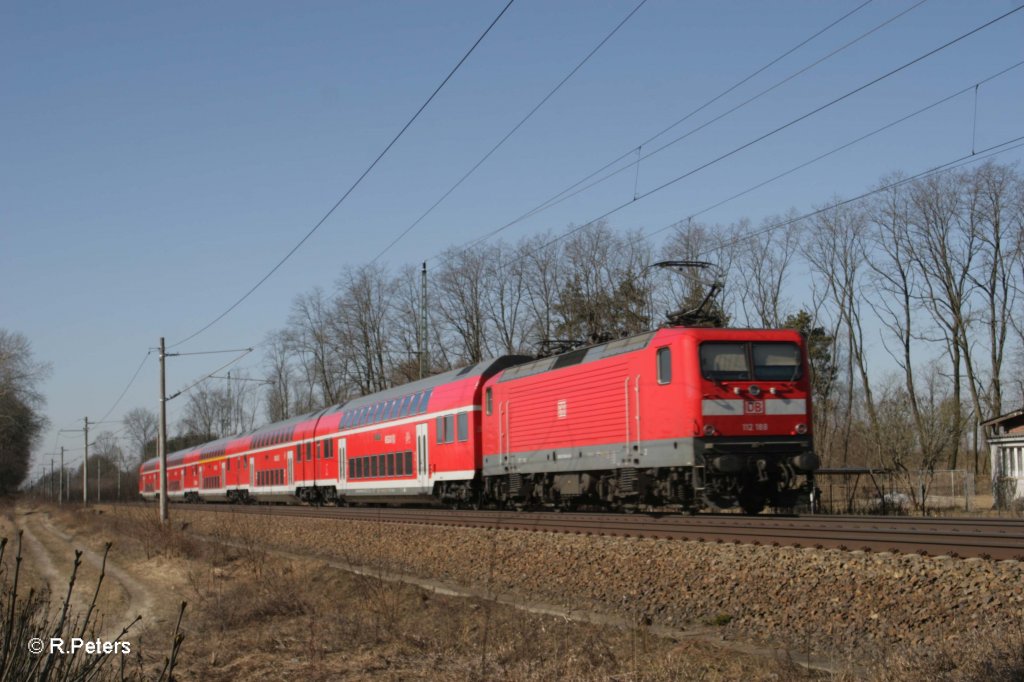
[
  {"x": 754, "y": 389},
  {"x": 801, "y": 429},
  {"x": 709, "y": 430}
]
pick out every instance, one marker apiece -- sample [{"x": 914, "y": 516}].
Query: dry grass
[{"x": 257, "y": 614}]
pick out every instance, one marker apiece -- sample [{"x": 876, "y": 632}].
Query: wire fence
[{"x": 867, "y": 491}]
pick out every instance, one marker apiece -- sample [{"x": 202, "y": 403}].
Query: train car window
[
  {"x": 329, "y": 450},
  {"x": 391, "y": 464},
  {"x": 359, "y": 467},
  {"x": 776, "y": 361},
  {"x": 439, "y": 427},
  {"x": 403, "y": 411},
  {"x": 228, "y": 465},
  {"x": 490, "y": 401},
  {"x": 373, "y": 466},
  {"x": 351, "y": 468},
  {"x": 409, "y": 471},
  {"x": 724, "y": 361},
  {"x": 378, "y": 412},
  {"x": 664, "y": 365},
  {"x": 414, "y": 403},
  {"x": 399, "y": 470},
  {"x": 449, "y": 428},
  {"x": 424, "y": 400},
  {"x": 463, "y": 426},
  {"x": 382, "y": 460},
  {"x": 393, "y": 408}
]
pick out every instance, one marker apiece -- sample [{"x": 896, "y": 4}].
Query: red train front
[{"x": 687, "y": 417}]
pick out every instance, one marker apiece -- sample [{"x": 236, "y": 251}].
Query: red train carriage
[
  {"x": 681, "y": 416},
  {"x": 416, "y": 442}
]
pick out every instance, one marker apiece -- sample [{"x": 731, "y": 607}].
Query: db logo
[{"x": 753, "y": 407}]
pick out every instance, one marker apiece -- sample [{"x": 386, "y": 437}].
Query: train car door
[
  {"x": 342, "y": 462},
  {"x": 422, "y": 459},
  {"x": 252, "y": 473},
  {"x": 290, "y": 474}
]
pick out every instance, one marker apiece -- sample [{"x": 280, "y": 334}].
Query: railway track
[{"x": 995, "y": 539}]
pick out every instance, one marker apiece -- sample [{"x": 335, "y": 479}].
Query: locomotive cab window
[
  {"x": 463, "y": 426},
  {"x": 724, "y": 361},
  {"x": 664, "y": 359},
  {"x": 490, "y": 401},
  {"x": 776, "y": 361}
]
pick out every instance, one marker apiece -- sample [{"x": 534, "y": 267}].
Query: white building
[{"x": 1005, "y": 436}]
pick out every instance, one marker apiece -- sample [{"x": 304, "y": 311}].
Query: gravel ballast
[{"x": 801, "y": 598}]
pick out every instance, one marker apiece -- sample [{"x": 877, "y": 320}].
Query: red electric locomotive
[{"x": 679, "y": 417}]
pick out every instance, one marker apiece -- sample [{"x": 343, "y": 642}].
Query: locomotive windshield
[{"x": 733, "y": 361}]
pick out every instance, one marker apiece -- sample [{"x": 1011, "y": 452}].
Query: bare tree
[
  {"x": 543, "y": 278},
  {"x": 206, "y": 410},
  {"x": 764, "y": 263},
  {"x": 313, "y": 344},
  {"x": 505, "y": 289},
  {"x": 991, "y": 193},
  {"x": 141, "y": 426},
  {"x": 944, "y": 250},
  {"x": 462, "y": 302},
  {"x": 280, "y": 375},
  {"x": 835, "y": 247},
  {"x": 362, "y": 312},
  {"x": 604, "y": 292}
]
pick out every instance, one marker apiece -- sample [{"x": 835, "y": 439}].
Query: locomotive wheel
[{"x": 752, "y": 502}]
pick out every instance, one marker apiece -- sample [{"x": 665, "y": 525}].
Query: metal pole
[
  {"x": 85, "y": 466},
  {"x": 424, "y": 354},
  {"x": 97, "y": 479},
  {"x": 162, "y": 444},
  {"x": 60, "y": 498},
  {"x": 51, "y": 478}
]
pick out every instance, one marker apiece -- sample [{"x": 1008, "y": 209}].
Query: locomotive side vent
[{"x": 628, "y": 482}]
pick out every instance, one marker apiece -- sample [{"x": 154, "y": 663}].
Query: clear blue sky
[{"x": 159, "y": 158}]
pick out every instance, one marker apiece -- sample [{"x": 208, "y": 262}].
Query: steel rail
[{"x": 995, "y": 539}]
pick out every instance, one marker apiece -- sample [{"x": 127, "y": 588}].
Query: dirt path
[{"x": 123, "y": 595}]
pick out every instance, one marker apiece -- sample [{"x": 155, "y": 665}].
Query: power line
[
  {"x": 350, "y": 189},
  {"x": 199, "y": 381},
  {"x": 511, "y": 132},
  {"x": 776, "y": 130},
  {"x": 846, "y": 145},
  {"x": 130, "y": 382},
  {"x": 965, "y": 160},
  {"x": 575, "y": 188}
]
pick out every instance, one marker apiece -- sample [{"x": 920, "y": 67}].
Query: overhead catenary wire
[
  {"x": 128, "y": 386},
  {"x": 772, "y": 132},
  {"x": 584, "y": 183},
  {"x": 243, "y": 353},
  {"x": 846, "y": 145},
  {"x": 967, "y": 159},
  {"x": 511, "y": 132},
  {"x": 351, "y": 189}
]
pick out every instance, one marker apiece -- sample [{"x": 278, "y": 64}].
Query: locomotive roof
[{"x": 579, "y": 356}]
